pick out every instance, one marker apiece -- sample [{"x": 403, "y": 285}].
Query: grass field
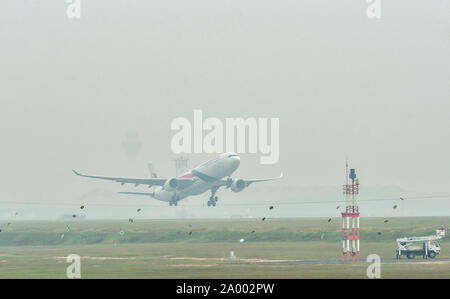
[{"x": 200, "y": 248}]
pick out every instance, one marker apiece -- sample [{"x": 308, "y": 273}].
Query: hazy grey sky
[{"x": 375, "y": 91}]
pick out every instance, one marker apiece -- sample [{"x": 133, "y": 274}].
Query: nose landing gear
[{"x": 174, "y": 201}]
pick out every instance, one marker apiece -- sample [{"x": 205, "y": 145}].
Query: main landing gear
[
  {"x": 213, "y": 198},
  {"x": 212, "y": 201}
]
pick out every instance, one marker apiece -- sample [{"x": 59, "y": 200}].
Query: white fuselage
[{"x": 205, "y": 176}]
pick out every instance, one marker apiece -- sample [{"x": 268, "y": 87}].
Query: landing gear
[
  {"x": 213, "y": 199},
  {"x": 174, "y": 201}
]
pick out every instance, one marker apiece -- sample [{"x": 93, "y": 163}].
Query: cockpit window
[{"x": 232, "y": 155}]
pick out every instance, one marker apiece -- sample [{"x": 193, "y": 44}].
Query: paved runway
[{"x": 336, "y": 261}]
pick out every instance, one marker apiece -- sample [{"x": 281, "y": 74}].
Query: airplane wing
[
  {"x": 248, "y": 182},
  {"x": 138, "y": 193},
  {"x": 182, "y": 182},
  {"x": 251, "y": 181}
]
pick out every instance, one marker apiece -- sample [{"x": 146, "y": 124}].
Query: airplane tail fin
[{"x": 151, "y": 169}]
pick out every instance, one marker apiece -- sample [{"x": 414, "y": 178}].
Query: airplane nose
[{"x": 236, "y": 160}]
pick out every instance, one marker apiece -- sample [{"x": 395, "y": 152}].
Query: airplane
[{"x": 210, "y": 175}]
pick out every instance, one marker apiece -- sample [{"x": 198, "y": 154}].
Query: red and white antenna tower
[{"x": 351, "y": 191}]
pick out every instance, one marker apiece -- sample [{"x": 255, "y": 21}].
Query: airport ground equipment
[{"x": 411, "y": 247}]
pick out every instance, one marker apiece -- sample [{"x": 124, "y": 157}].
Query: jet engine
[
  {"x": 170, "y": 184},
  {"x": 238, "y": 185}
]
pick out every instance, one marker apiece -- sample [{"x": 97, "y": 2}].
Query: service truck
[{"x": 427, "y": 247}]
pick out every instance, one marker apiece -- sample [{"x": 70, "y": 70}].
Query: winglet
[{"x": 74, "y": 171}]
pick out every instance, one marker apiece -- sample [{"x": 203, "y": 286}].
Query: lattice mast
[{"x": 351, "y": 214}]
